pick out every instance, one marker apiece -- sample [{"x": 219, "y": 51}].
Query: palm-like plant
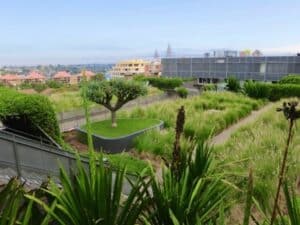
[
  {"x": 16, "y": 209},
  {"x": 95, "y": 197},
  {"x": 194, "y": 198}
]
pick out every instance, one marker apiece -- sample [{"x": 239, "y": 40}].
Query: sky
[{"x": 98, "y": 31}]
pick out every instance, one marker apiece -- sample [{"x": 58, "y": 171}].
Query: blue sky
[{"x": 87, "y": 31}]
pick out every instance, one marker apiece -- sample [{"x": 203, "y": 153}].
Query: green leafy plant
[
  {"x": 182, "y": 92},
  {"x": 164, "y": 83},
  {"x": 16, "y": 209},
  {"x": 95, "y": 197},
  {"x": 35, "y": 110},
  {"x": 290, "y": 79},
  {"x": 188, "y": 193},
  {"x": 103, "y": 92},
  {"x": 233, "y": 84}
]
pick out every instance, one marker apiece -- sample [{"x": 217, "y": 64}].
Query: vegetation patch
[
  {"x": 125, "y": 127},
  {"x": 35, "y": 108},
  {"x": 132, "y": 164},
  {"x": 200, "y": 121},
  {"x": 259, "y": 146}
]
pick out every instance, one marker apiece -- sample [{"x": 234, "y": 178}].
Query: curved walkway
[{"x": 222, "y": 137}]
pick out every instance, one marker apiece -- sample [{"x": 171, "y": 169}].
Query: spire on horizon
[{"x": 169, "y": 51}]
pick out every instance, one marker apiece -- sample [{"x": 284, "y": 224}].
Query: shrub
[
  {"x": 54, "y": 84},
  {"x": 256, "y": 89},
  {"x": 272, "y": 92},
  {"x": 209, "y": 87},
  {"x": 39, "y": 87},
  {"x": 35, "y": 108},
  {"x": 279, "y": 91},
  {"x": 290, "y": 79},
  {"x": 182, "y": 92},
  {"x": 164, "y": 83},
  {"x": 233, "y": 84}
]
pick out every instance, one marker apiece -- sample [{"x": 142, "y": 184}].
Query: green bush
[
  {"x": 54, "y": 84},
  {"x": 233, "y": 84},
  {"x": 39, "y": 87},
  {"x": 35, "y": 108},
  {"x": 164, "y": 83},
  {"x": 272, "y": 92},
  {"x": 279, "y": 91},
  {"x": 257, "y": 89},
  {"x": 182, "y": 92},
  {"x": 209, "y": 87},
  {"x": 290, "y": 79}
]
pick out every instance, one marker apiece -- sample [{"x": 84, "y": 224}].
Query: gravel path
[{"x": 222, "y": 137}]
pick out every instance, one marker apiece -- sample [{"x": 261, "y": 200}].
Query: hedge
[
  {"x": 35, "y": 108},
  {"x": 164, "y": 83},
  {"x": 290, "y": 79},
  {"x": 272, "y": 92}
]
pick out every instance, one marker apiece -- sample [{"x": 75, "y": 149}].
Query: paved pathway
[{"x": 222, "y": 137}]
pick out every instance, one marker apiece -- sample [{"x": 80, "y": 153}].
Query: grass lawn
[
  {"x": 125, "y": 127},
  {"x": 132, "y": 164}
]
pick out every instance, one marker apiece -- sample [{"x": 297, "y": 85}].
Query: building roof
[
  {"x": 62, "y": 74},
  {"x": 34, "y": 75},
  {"x": 133, "y": 61},
  {"x": 10, "y": 77}
]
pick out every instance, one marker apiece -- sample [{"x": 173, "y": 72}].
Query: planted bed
[{"x": 117, "y": 139}]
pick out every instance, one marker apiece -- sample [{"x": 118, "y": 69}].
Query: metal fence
[{"x": 34, "y": 161}]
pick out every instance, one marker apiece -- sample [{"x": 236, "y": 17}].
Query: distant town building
[
  {"x": 63, "y": 77},
  {"x": 153, "y": 68},
  {"x": 270, "y": 68},
  {"x": 133, "y": 67},
  {"x": 35, "y": 77},
  {"x": 257, "y": 53},
  {"x": 78, "y": 78},
  {"x": 225, "y": 53},
  {"x": 11, "y": 79}
]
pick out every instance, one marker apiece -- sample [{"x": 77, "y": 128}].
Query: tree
[
  {"x": 103, "y": 93},
  {"x": 98, "y": 77}
]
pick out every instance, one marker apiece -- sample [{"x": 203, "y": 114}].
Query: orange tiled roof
[
  {"x": 62, "y": 74},
  {"x": 33, "y": 75},
  {"x": 10, "y": 77}
]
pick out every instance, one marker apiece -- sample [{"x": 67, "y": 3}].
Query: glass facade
[{"x": 270, "y": 68}]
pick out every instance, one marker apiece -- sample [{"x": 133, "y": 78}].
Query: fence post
[{"x": 16, "y": 157}]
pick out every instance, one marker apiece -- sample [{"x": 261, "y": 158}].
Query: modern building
[{"x": 270, "y": 68}]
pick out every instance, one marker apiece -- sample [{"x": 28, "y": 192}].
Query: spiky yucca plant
[
  {"x": 16, "y": 209},
  {"x": 95, "y": 197},
  {"x": 194, "y": 198}
]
